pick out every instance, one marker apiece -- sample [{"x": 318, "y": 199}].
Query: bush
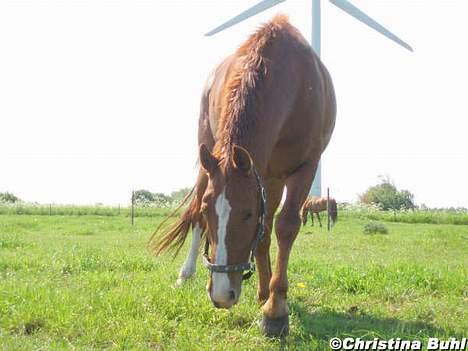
[
  {"x": 147, "y": 198},
  {"x": 388, "y": 197},
  {"x": 178, "y": 195},
  {"x": 8, "y": 198},
  {"x": 375, "y": 228}
]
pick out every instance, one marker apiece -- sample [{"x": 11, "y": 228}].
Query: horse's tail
[
  {"x": 174, "y": 237},
  {"x": 333, "y": 211}
]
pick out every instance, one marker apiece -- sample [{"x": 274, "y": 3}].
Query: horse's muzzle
[{"x": 220, "y": 291}]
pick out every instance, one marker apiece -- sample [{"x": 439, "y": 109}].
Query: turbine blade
[
  {"x": 352, "y": 10},
  {"x": 260, "y": 7}
]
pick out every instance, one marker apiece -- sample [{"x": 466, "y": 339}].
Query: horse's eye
[{"x": 247, "y": 215}]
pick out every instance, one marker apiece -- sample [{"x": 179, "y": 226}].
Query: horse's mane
[{"x": 240, "y": 99}]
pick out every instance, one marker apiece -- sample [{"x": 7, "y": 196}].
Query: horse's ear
[
  {"x": 241, "y": 159},
  {"x": 207, "y": 160}
]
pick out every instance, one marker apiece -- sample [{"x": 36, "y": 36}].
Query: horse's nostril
[{"x": 232, "y": 294}]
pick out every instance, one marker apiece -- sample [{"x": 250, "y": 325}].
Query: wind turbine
[{"x": 344, "y": 5}]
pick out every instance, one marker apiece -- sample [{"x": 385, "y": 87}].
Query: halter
[{"x": 260, "y": 234}]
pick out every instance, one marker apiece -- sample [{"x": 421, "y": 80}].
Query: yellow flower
[{"x": 301, "y": 285}]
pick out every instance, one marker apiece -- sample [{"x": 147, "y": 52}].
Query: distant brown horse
[
  {"x": 267, "y": 114},
  {"x": 315, "y": 205}
]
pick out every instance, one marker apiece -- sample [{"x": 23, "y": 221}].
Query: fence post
[
  {"x": 50, "y": 209},
  {"x": 133, "y": 207},
  {"x": 328, "y": 208}
]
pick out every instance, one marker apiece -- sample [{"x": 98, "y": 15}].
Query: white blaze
[{"x": 220, "y": 282}]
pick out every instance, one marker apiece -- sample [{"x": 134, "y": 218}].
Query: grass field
[{"x": 87, "y": 282}]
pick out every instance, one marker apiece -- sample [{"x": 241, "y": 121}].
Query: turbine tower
[{"x": 344, "y": 5}]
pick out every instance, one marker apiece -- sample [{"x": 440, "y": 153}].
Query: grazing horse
[
  {"x": 267, "y": 114},
  {"x": 315, "y": 205}
]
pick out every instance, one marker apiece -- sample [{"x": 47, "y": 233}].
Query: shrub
[
  {"x": 375, "y": 228},
  {"x": 178, "y": 195},
  {"x": 8, "y": 198},
  {"x": 145, "y": 198},
  {"x": 388, "y": 197}
]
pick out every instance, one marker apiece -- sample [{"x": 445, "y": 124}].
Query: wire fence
[
  {"x": 78, "y": 210},
  {"x": 457, "y": 216}
]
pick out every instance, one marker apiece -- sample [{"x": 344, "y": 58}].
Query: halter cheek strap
[{"x": 249, "y": 267}]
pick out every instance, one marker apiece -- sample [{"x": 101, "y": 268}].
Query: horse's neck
[
  {"x": 258, "y": 140},
  {"x": 259, "y": 145}
]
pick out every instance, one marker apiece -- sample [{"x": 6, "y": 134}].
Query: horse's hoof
[
  {"x": 179, "y": 283},
  {"x": 275, "y": 327}
]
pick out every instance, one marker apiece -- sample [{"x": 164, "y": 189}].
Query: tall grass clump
[{"x": 375, "y": 228}]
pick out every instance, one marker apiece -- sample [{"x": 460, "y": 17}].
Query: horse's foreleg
[
  {"x": 274, "y": 191},
  {"x": 263, "y": 262},
  {"x": 318, "y": 217},
  {"x": 275, "y": 310},
  {"x": 305, "y": 211},
  {"x": 312, "y": 216},
  {"x": 190, "y": 265}
]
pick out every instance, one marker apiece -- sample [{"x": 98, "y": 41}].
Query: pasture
[{"x": 87, "y": 282}]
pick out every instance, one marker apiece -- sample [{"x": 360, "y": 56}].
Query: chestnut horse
[
  {"x": 267, "y": 114},
  {"x": 315, "y": 205}
]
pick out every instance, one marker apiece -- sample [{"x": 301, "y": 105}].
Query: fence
[
  {"x": 430, "y": 216},
  {"x": 76, "y": 210}
]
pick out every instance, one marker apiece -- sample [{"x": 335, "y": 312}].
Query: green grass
[{"x": 88, "y": 282}]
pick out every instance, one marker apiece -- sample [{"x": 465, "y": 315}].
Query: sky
[{"x": 101, "y": 97}]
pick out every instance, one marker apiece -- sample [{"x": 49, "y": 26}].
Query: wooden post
[
  {"x": 328, "y": 208},
  {"x": 50, "y": 209},
  {"x": 133, "y": 207}
]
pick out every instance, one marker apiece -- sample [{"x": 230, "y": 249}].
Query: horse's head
[{"x": 233, "y": 208}]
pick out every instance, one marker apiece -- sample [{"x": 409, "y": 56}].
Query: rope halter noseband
[{"x": 248, "y": 267}]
